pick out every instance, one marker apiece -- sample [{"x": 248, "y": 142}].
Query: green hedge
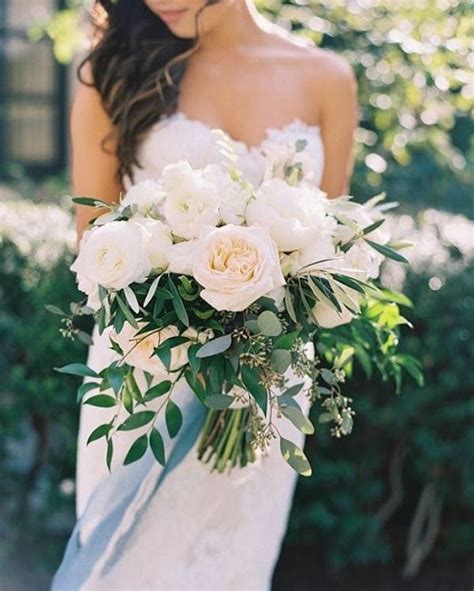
[{"x": 409, "y": 453}]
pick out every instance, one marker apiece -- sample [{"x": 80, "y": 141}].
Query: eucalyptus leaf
[
  {"x": 55, "y": 310},
  {"x": 280, "y": 360},
  {"x": 328, "y": 376},
  {"x": 285, "y": 400},
  {"x": 287, "y": 340},
  {"x": 299, "y": 420},
  {"x": 295, "y": 457},
  {"x": 218, "y": 401},
  {"x": 326, "y": 417},
  {"x": 215, "y": 347},
  {"x": 85, "y": 338},
  {"x": 269, "y": 324},
  {"x": 252, "y": 326},
  {"x": 293, "y": 390}
]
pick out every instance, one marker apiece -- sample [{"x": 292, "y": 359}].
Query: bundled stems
[{"x": 223, "y": 441}]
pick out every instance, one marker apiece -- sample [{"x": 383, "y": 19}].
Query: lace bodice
[{"x": 178, "y": 137}]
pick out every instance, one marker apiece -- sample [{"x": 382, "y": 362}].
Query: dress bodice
[{"x": 177, "y": 137}]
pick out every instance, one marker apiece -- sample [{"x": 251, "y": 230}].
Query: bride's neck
[{"x": 241, "y": 25}]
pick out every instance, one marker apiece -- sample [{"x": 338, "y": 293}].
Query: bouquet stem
[{"x": 224, "y": 443}]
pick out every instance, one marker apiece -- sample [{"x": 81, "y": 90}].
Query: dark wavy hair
[{"x": 136, "y": 65}]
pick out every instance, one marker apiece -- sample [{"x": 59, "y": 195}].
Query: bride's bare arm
[
  {"x": 93, "y": 168},
  {"x": 337, "y": 93}
]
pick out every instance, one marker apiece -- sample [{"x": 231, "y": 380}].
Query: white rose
[
  {"x": 158, "y": 241},
  {"x": 233, "y": 198},
  {"x": 294, "y": 216},
  {"x": 236, "y": 265},
  {"x": 114, "y": 256},
  {"x": 191, "y": 202},
  {"x": 180, "y": 257},
  {"x": 139, "y": 349},
  {"x": 147, "y": 196}
]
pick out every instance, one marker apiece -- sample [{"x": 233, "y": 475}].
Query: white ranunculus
[
  {"x": 294, "y": 216},
  {"x": 281, "y": 157},
  {"x": 139, "y": 349},
  {"x": 147, "y": 196},
  {"x": 328, "y": 317},
  {"x": 236, "y": 265},
  {"x": 191, "y": 201},
  {"x": 158, "y": 241},
  {"x": 233, "y": 198},
  {"x": 114, "y": 256},
  {"x": 180, "y": 257}
]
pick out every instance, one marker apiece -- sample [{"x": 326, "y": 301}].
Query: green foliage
[
  {"x": 38, "y": 413},
  {"x": 411, "y": 60},
  {"x": 423, "y": 438}
]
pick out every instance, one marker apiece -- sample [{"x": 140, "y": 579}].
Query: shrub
[{"x": 402, "y": 485}]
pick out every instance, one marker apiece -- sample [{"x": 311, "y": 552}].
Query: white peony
[
  {"x": 147, "y": 196},
  {"x": 114, "y": 256},
  {"x": 191, "y": 202},
  {"x": 139, "y": 348},
  {"x": 158, "y": 241},
  {"x": 236, "y": 265},
  {"x": 233, "y": 198},
  {"x": 294, "y": 216}
]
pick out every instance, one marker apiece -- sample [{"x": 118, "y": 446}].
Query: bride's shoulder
[{"x": 321, "y": 65}]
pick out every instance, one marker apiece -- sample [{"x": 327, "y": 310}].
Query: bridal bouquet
[{"x": 200, "y": 276}]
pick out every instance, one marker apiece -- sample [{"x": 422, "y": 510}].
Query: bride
[{"x": 161, "y": 75}]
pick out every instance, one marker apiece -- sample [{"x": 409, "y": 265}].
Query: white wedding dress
[{"x": 143, "y": 527}]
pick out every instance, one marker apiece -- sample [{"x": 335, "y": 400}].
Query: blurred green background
[{"x": 391, "y": 507}]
